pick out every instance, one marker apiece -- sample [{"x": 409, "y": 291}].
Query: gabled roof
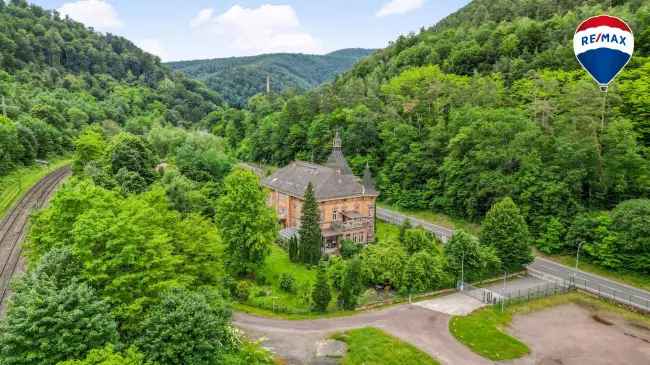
[{"x": 328, "y": 183}]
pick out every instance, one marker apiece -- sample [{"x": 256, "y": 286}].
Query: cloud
[
  {"x": 153, "y": 46},
  {"x": 399, "y": 7},
  {"x": 202, "y": 18},
  {"x": 265, "y": 29},
  {"x": 98, "y": 14}
]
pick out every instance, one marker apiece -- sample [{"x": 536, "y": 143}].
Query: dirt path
[
  {"x": 574, "y": 335},
  {"x": 295, "y": 341},
  {"x": 13, "y": 228}
]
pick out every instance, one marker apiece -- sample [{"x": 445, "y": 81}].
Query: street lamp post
[
  {"x": 575, "y": 271},
  {"x": 503, "y": 294},
  {"x": 462, "y": 271}
]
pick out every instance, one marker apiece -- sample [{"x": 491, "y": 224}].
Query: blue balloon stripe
[{"x": 603, "y": 63}]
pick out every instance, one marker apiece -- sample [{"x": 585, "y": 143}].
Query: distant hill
[{"x": 239, "y": 78}]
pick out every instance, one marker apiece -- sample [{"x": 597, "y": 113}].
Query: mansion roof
[{"x": 334, "y": 180}]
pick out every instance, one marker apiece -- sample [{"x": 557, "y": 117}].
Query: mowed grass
[
  {"x": 371, "y": 346},
  {"x": 483, "y": 330},
  {"x": 266, "y": 293},
  {"x": 386, "y": 232},
  {"x": 437, "y": 218},
  {"x": 278, "y": 263},
  {"x": 15, "y": 184}
]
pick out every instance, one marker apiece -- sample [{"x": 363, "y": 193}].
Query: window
[{"x": 334, "y": 214}]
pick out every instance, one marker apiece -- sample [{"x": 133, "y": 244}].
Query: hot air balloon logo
[{"x": 603, "y": 45}]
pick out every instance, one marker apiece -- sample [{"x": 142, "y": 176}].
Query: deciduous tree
[
  {"x": 506, "y": 230},
  {"x": 248, "y": 227}
]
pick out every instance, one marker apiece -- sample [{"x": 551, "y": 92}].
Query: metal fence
[
  {"x": 484, "y": 295},
  {"x": 536, "y": 292},
  {"x": 599, "y": 289},
  {"x": 607, "y": 292}
]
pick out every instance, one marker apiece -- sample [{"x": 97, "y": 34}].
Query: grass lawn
[
  {"x": 386, "y": 231},
  {"x": 14, "y": 185},
  {"x": 482, "y": 330},
  {"x": 629, "y": 278},
  {"x": 370, "y": 346},
  {"x": 437, "y": 218},
  {"x": 266, "y": 294}
]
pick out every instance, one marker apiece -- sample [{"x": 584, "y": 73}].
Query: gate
[{"x": 484, "y": 295}]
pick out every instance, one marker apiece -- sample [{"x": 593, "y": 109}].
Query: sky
[{"x": 198, "y": 29}]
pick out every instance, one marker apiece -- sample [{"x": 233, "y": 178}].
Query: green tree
[
  {"x": 383, "y": 264},
  {"x": 89, "y": 147},
  {"x": 626, "y": 246},
  {"x": 133, "y": 154},
  {"x": 186, "y": 328},
  {"x": 46, "y": 324},
  {"x": 321, "y": 294},
  {"x": 477, "y": 261},
  {"x": 352, "y": 285},
  {"x": 405, "y": 226},
  {"x": 336, "y": 268},
  {"x": 294, "y": 253},
  {"x": 310, "y": 234},
  {"x": 417, "y": 239},
  {"x": 505, "y": 229},
  {"x": 552, "y": 240},
  {"x": 109, "y": 356},
  {"x": 248, "y": 227}
]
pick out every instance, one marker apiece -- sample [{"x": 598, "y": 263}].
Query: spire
[
  {"x": 368, "y": 181},
  {"x": 337, "y": 160}
]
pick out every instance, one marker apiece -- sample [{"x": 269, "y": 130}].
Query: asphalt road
[
  {"x": 295, "y": 341},
  {"x": 595, "y": 284},
  {"x": 546, "y": 269}
]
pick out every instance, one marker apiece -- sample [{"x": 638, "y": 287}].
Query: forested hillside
[
  {"x": 488, "y": 103},
  {"x": 125, "y": 265},
  {"x": 239, "y": 78},
  {"x": 57, "y": 76}
]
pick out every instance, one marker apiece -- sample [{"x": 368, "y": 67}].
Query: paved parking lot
[{"x": 456, "y": 304}]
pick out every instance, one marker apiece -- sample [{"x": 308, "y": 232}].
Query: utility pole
[{"x": 462, "y": 271}]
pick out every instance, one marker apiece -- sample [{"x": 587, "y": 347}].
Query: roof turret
[{"x": 336, "y": 160}]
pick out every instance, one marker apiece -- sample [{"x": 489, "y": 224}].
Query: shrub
[
  {"x": 242, "y": 291},
  {"x": 349, "y": 249},
  {"x": 287, "y": 283}
]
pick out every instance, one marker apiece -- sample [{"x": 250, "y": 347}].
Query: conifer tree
[
  {"x": 351, "y": 287},
  {"x": 505, "y": 229},
  {"x": 293, "y": 249},
  {"x": 310, "y": 234},
  {"x": 321, "y": 295},
  {"x": 405, "y": 226}
]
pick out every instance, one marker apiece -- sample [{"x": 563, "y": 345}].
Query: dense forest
[
  {"x": 140, "y": 256},
  {"x": 488, "y": 103},
  {"x": 57, "y": 76},
  {"x": 239, "y": 78},
  {"x": 144, "y": 284}
]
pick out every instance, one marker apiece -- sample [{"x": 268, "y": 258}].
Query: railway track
[{"x": 13, "y": 227}]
